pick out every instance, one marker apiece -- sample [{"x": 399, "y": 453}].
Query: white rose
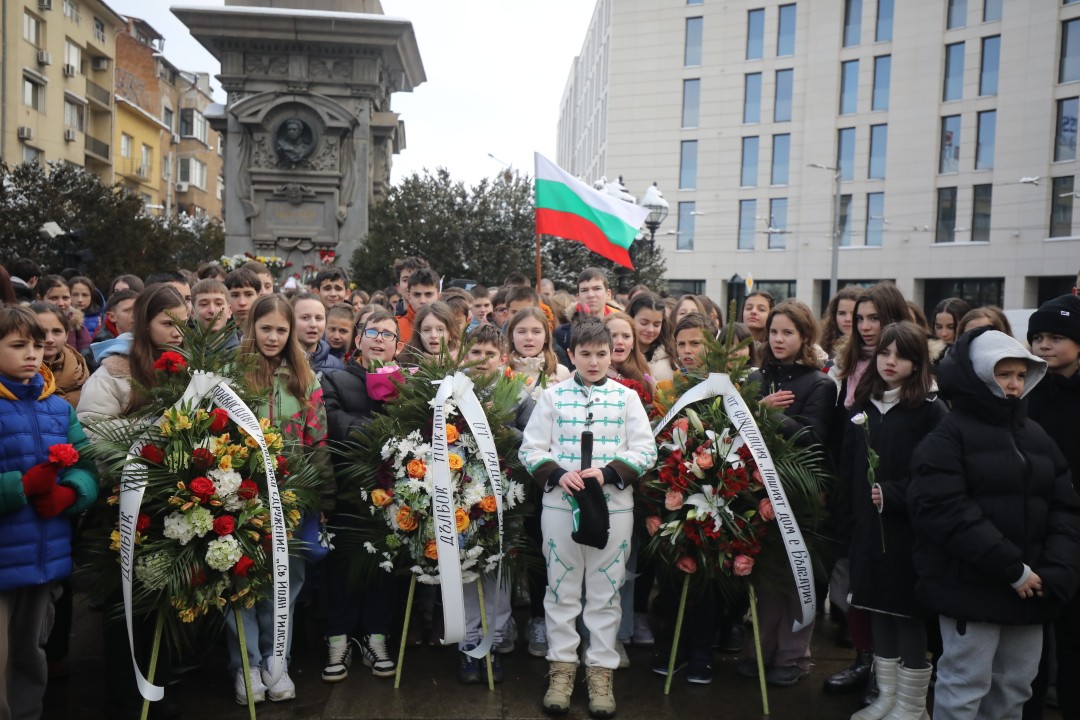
[{"x": 860, "y": 419}]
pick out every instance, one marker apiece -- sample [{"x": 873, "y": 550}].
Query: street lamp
[
  {"x": 835, "y": 269},
  {"x": 658, "y": 208}
]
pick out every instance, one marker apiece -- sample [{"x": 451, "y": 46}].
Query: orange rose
[
  {"x": 488, "y": 504},
  {"x": 462, "y": 519},
  {"x": 431, "y": 550},
  {"x": 451, "y": 434},
  {"x": 455, "y": 461},
  {"x": 406, "y": 520},
  {"x": 381, "y": 498},
  {"x": 416, "y": 468}
]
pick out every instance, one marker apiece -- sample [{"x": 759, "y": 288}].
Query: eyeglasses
[{"x": 373, "y": 333}]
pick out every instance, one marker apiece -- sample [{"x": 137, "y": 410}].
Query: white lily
[
  {"x": 695, "y": 421},
  {"x": 708, "y": 504}
]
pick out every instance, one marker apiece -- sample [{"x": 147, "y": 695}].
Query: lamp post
[
  {"x": 654, "y": 201},
  {"x": 835, "y": 269}
]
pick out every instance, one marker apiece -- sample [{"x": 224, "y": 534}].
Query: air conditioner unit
[
  {"x": 176, "y": 138},
  {"x": 69, "y": 71},
  {"x": 100, "y": 63},
  {"x": 69, "y": 135},
  {"x": 44, "y": 4},
  {"x": 181, "y": 187},
  {"x": 26, "y": 132},
  {"x": 44, "y": 58}
]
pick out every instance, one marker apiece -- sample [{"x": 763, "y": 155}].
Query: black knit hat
[
  {"x": 1060, "y": 316},
  {"x": 592, "y": 525}
]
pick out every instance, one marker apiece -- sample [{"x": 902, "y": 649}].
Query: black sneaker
[
  {"x": 373, "y": 651},
  {"x": 747, "y": 667},
  {"x": 786, "y": 676},
  {"x": 700, "y": 673},
  {"x": 470, "y": 670},
  {"x": 660, "y": 664},
  {"x": 496, "y": 667}
]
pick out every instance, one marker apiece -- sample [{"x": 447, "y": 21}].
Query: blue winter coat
[
  {"x": 34, "y": 550},
  {"x": 322, "y": 362}
]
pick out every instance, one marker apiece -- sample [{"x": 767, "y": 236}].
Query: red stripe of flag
[{"x": 574, "y": 227}]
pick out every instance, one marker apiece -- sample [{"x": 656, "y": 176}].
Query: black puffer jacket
[
  {"x": 1055, "y": 405},
  {"x": 884, "y": 579},
  {"x": 815, "y": 398},
  {"x": 990, "y": 492}
]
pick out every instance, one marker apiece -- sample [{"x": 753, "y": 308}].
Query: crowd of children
[{"x": 954, "y": 520}]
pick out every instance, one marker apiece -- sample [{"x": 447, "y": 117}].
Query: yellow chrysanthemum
[{"x": 114, "y": 538}]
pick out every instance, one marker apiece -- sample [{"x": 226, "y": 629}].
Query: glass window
[
  {"x": 883, "y": 30},
  {"x": 747, "y": 218},
  {"x": 752, "y": 99},
  {"x": 692, "y": 53},
  {"x": 991, "y": 58},
  {"x": 875, "y": 219},
  {"x": 785, "y": 33},
  {"x": 688, "y": 165},
  {"x": 845, "y": 220},
  {"x": 1070, "y": 51},
  {"x": 882, "y": 80},
  {"x": 950, "y": 144},
  {"x": 991, "y": 10},
  {"x": 691, "y": 102},
  {"x": 946, "y": 215},
  {"x": 748, "y": 177},
  {"x": 984, "y": 142},
  {"x": 852, "y": 22},
  {"x": 755, "y": 34},
  {"x": 33, "y": 94},
  {"x": 72, "y": 55},
  {"x": 125, "y": 145},
  {"x": 73, "y": 115},
  {"x": 954, "y": 72},
  {"x": 781, "y": 159},
  {"x": 879, "y": 148},
  {"x": 845, "y": 153},
  {"x": 31, "y": 29},
  {"x": 34, "y": 156},
  {"x": 1061, "y": 207},
  {"x": 980, "y": 213},
  {"x": 168, "y": 117},
  {"x": 1065, "y": 142},
  {"x": 849, "y": 87},
  {"x": 193, "y": 124},
  {"x": 957, "y": 16},
  {"x": 684, "y": 238},
  {"x": 777, "y": 223},
  {"x": 782, "y": 107},
  {"x": 99, "y": 30}
]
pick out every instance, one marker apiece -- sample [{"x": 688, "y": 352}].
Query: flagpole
[{"x": 539, "y": 272}]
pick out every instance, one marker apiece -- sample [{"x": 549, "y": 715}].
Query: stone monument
[{"x": 309, "y": 133}]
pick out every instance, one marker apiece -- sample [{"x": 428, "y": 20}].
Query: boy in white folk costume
[{"x": 587, "y": 514}]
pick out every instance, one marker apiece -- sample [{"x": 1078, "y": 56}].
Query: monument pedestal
[{"x": 309, "y": 133}]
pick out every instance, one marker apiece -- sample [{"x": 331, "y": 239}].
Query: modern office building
[{"x": 935, "y": 139}]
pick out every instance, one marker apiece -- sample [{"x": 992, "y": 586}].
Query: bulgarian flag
[{"x": 568, "y": 208}]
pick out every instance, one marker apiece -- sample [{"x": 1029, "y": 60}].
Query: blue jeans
[{"x": 259, "y": 624}]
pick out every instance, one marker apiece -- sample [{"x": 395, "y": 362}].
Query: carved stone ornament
[
  {"x": 295, "y": 193},
  {"x": 294, "y": 140}
]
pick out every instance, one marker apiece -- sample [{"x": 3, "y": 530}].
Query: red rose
[
  {"x": 743, "y": 565},
  {"x": 152, "y": 453},
  {"x": 142, "y": 523},
  {"x": 248, "y": 490},
  {"x": 765, "y": 510},
  {"x": 224, "y": 525},
  {"x": 687, "y": 564},
  {"x": 242, "y": 566},
  {"x": 202, "y": 458},
  {"x": 220, "y": 419},
  {"x": 63, "y": 455},
  {"x": 170, "y": 362},
  {"x": 282, "y": 465},
  {"x": 202, "y": 488}
]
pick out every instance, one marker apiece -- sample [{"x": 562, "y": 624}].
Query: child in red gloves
[{"x": 39, "y": 486}]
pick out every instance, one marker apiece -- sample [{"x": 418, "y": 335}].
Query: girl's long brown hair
[
  {"x": 803, "y": 320},
  {"x": 635, "y": 367},
  {"x": 911, "y": 345},
  {"x": 292, "y": 356},
  {"x": 666, "y": 339},
  {"x": 415, "y": 350},
  {"x": 891, "y": 308},
  {"x": 830, "y": 335},
  {"x": 550, "y": 361},
  {"x": 151, "y": 302}
]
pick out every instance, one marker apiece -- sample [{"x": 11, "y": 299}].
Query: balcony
[
  {"x": 97, "y": 148},
  {"x": 98, "y": 94}
]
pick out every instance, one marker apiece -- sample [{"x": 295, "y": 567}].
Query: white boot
[
  {"x": 885, "y": 670},
  {"x": 911, "y": 687}
]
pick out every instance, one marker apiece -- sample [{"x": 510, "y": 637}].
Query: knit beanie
[
  {"x": 591, "y": 521},
  {"x": 1060, "y": 316}
]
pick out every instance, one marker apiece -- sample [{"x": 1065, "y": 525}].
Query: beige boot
[
  {"x": 601, "y": 692},
  {"x": 560, "y": 687},
  {"x": 885, "y": 674},
  {"x": 911, "y": 688}
]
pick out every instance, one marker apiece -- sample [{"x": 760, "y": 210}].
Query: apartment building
[
  {"x": 933, "y": 140},
  {"x": 56, "y": 83}
]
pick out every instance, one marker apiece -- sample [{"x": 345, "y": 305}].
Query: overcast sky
[{"x": 495, "y": 74}]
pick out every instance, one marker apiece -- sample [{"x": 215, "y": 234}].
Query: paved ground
[{"x": 430, "y": 688}]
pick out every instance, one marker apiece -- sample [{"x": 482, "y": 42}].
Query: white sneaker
[
  {"x": 258, "y": 689},
  {"x": 283, "y": 689},
  {"x": 642, "y": 632},
  {"x": 538, "y": 641},
  {"x": 338, "y": 658},
  {"x": 624, "y": 659}
]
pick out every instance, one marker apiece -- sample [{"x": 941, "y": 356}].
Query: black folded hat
[{"x": 591, "y": 521}]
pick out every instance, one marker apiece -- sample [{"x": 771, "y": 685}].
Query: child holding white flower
[
  {"x": 294, "y": 403},
  {"x": 895, "y": 410}
]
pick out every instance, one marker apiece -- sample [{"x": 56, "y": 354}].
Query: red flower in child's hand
[
  {"x": 142, "y": 523},
  {"x": 202, "y": 488},
  {"x": 224, "y": 525},
  {"x": 220, "y": 420},
  {"x": 248, "y": 490},
  {"x": 63, "y": 455},
  {"x": 170, "y": 362},
  {"x": 152, "y": 453},
  {"x": 201, "y": 458},
  {"x": 240, "y": 569}
]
